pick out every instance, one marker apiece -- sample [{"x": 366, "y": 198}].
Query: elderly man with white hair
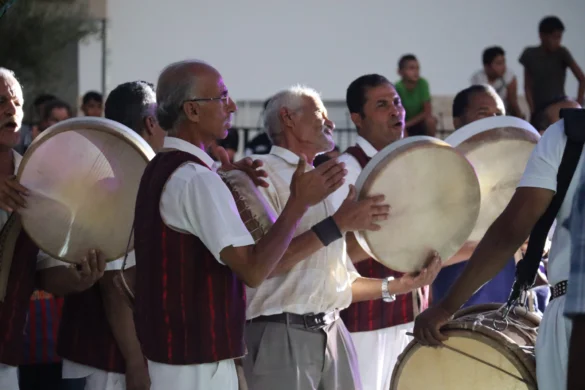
[{"x": 294, "y": 335}]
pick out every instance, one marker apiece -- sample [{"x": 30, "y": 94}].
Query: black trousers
[{"x": 46, "y": 377}]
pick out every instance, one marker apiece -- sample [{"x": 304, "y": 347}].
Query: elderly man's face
[
  {"x": 312, "y": 127},
  {"x": 215, "y": 116},
  {"x": 11, "y": 113}
]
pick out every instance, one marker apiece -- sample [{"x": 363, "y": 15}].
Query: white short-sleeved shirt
[
  {"x": 195, "y": 200},
  {"x": 500, "y": 85},
  {"x": 319, "y": 283},
  {"x": 541, "y": 172}
]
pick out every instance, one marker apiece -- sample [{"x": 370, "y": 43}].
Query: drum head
[
  {"x": 434, "y": 197},
  {"x": 83, "y": 175},
  {"x": 498, "y": 148}
]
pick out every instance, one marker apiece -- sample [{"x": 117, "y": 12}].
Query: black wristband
[{"x": 327, "y": 231}]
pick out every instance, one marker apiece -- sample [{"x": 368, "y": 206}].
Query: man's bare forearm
[
  {"x": 300, "y": 248},
  {"x": 121, "y": 319},
  {"x": 57, "y": 281}
]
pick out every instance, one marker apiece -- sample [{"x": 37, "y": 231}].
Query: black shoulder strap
[{"x": 527, "y": 268}]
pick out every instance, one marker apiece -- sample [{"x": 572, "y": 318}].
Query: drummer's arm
[
  {"x": 354, "y": 250},
  {"x": 500, "y": 242},
  {"x": 462, "y": 254},
  {"x": 59, "y": 278},
  {"x": 121, "y": 319}
]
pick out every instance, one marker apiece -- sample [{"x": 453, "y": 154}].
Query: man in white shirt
[
  {"x": 17, "y": 287},
  {"x": 295, "y": 337},
  {"x": 192, "y": 249},
  {"x": 532, "y": 197}
]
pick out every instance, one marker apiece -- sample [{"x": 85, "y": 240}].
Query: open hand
[
  {"x": 354, "y": 215},
  {"x": 12, "y": 194},
  {"x": 312, "y": 187},
  {"x": 246, "y": 165},
  {"x": 424, "y": 277}
]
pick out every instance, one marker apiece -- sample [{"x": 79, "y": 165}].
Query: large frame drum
[
  {"x": 498, "y": 148},
  {"x": 483, "y": 352},
  {"x": 83, "y": 175},
  {"x": 434, "y": 197}
]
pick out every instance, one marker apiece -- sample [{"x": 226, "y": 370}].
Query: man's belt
[
  {"x": 308, "y": 321},
  {"x": 558, "y": 290}
]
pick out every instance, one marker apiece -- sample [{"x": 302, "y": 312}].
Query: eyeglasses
[{"x": 225, "y": 99}]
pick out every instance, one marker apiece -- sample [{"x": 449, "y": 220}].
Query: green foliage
[{"x": 33, "y": 32}]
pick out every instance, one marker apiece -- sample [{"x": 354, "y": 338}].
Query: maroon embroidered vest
[
  {"x": 190, "y": 309},
  {"x": 373, "y": 315},
  {"x": 14, "y": 308},
  {"x": 85, "y": 336}
]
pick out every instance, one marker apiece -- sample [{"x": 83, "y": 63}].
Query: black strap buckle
[{"x": 320, "y": 320}]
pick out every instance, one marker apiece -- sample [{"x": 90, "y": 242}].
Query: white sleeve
[
  {"x": 198, "y": 202},
  {"x": 116, "y": 265},
  {"x": 543, "y": 165},
  {"x": 45, "y": 261}
]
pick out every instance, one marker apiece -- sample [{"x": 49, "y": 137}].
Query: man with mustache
[
  {"x": 378, "y": 328},
  {"x": 294, "y": 334}
]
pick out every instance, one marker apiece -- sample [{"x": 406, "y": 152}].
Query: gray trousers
[{"x": 290, "y": 357}]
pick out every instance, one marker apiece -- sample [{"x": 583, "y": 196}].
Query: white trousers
[
  {"x": 211, "y": 376},
  {"x": 8, "y": 377},
  {"x": 552, "y": 347},
  {"x": 95, "y": 379},
  {"x": 377, "y": 353}
]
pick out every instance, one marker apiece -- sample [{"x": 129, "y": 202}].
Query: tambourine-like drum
[
  {"x": 498, "y": 148},
  {"x": 434, "y": 197},
  {"x": 83, "y": 175},
  {"x": 254, "y": 209},
  {"x": 484, "y": 352}
]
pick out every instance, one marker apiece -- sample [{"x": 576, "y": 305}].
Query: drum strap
[{"x": 527, "y": 268}]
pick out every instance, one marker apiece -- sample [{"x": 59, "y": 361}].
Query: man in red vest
[
  {"x": 193, "y": 252},
  {"x": 16, "y": 287},
  {"x": 378, "y": 328}
]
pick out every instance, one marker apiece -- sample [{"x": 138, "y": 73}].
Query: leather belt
[
  {"x": 308, "y": 321},
  {"x": 558, "y": 290}
]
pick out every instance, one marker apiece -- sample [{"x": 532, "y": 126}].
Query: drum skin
[
  {"x": 83, "y": 175},
  {"x": 434, "y": 197},
  {"x": 473, "y": 331},
  {"x": 254, "y": 209},
  {"x": 498, "y": 148}
]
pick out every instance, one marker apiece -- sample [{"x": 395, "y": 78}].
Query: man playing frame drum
[
  {"x": 294, "y": 335},
  {"x": 17, "y": 271},
  {"x": 531, "y": 199},
  {"x": 192, "y": 249},
  {"x": 378, "y": 328}
]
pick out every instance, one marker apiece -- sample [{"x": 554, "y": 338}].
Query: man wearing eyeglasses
[{"x": 193, "y": 252}]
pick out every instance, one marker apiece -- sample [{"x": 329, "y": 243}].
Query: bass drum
[
  {"x": 83, "y": 175},
  {"x": 498, "y": 148},
  {"x": 483, "y": 352},
  {"x": 434, "y": 197}
]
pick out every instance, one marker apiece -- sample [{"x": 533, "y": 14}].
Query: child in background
[
  {"x": 416, "y": 98},
  {"x": 496, "y": 74},
  {"x": 545, "y": 69}
]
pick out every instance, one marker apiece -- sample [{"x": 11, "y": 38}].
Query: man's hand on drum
[
  {"x": 312, "y": 187},
  {"x": 427, "y": 326},
  {"x": 12, "y": 194},
  {"x": 89, "y": 271},
  {"x": 246, "y": 165},
  {"x": 354, "y": 215}
]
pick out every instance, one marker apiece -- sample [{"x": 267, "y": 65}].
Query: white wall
[{"x": 261, "y": 46}]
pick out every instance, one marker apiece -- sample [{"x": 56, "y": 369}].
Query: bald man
[{"x": 193, "y": 252}]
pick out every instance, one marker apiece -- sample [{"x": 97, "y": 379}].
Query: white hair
[
  {"x": 291, "y": 98},
  {"x": 7, "y": 74}
]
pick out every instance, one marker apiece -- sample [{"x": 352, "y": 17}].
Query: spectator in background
[
  {"x": 474, "y": 103},
  {"x": 502, "y": 79},
  {"x": 53, "y": 112},
  {"x": 552, "y": 113},
  {"x": 545, "y": 70},
  {"x": 92, "y": 104},
  {"x": 260, "y": 144},
  {"x": 416, "y": 98},
  {"x": 26, "y": 131},
  {"x": 230, "y": 143}
]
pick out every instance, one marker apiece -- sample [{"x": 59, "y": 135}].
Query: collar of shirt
[
  {"x": 366, "y": 146},
  {"x": 285, "y": 154},
  {"x": 184, "y": 146}
]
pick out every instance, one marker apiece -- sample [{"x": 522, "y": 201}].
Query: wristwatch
[{"x": 386, "y": 296}]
